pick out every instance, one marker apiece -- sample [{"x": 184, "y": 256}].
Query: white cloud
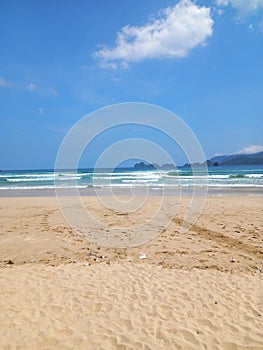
[
  {"x": 53, "y": 92},
  {"x": 178, "y": 30},
  {"x": 245, "y": 7},
  {"x": 5, "y": 83},
  {"x": 116, "y": 79},
  {"x": 31, "y": 87},
  {"x": 222, "y": 2},
  {"x": 250, "y": 149}
]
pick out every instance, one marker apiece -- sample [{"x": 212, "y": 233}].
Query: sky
[{"x": 61, "y": 60}]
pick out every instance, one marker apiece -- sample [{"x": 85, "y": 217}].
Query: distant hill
[
  {"x": 239, "y": 159},
  {"x": 224, "y": 160}
]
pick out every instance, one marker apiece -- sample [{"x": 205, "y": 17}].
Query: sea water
[{"x": 221, "y": 177}]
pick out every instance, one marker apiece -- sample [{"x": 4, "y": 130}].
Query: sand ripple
[{"x": 128, "y": 306}]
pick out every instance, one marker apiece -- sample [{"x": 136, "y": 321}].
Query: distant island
[
  {"x": 224, "y": 160},
  {"x": 145, "y": 166}
]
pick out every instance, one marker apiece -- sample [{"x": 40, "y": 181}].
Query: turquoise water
[{"x": 218, "y": 177}]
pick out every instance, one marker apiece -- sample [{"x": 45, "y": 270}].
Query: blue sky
[{"x": 60, "y": 60}]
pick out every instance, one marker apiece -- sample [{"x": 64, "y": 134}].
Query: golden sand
[{"x": 200, "y": 290}]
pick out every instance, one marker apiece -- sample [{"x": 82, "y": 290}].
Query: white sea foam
[
  {"x": 39, "y": 187},
  {"x": 131, "y": 179},
  {"x": 35, "y": 179}
]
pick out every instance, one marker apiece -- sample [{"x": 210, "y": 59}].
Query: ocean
[{"x": 220, "y": 178}]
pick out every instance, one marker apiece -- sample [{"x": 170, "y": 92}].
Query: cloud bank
[
  {"x": 176, "y": 32},
  {"x": 244, "y": 7},
  {"x": 250, "y": 149}
]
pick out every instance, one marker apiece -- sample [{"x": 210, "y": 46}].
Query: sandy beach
[
  {"x": 131, "y": 175},
  {"x": 200, "y": 290}
]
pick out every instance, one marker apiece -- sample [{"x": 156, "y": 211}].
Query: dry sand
[{"x": 200, "y": 290}]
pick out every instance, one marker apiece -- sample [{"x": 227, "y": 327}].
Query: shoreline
[{"x": 173, "y": 191}]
